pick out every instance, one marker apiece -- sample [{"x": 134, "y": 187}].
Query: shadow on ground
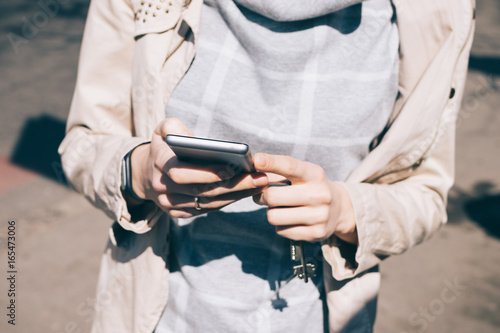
[
  {"x": 36, "y": 147},
  {"x": 485, "y": 211},
  {"x": 481, "y": 206},
  {"x": 485, "y": 64}
]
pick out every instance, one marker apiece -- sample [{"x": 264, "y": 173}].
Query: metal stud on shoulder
[{"x": 155, "y": 8}]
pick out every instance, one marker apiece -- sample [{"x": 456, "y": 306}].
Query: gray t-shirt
[{"x": 316, "y": 81}]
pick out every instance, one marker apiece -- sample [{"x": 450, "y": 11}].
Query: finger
[
  {"x": 310, "y": 194},
  {"x": 187, "y": 181},
  {"x": 274, "y": 178},
  {"x": 306, "y": 233},
  {"x": 181, "y": 201},
  {"x": 188, "y": 212},
  {"x": 305, "y": 215},
  {"x": 239, "y": 183},
  {"x": 172, "y": 126},
  {"x": 294, "y": 170},
  {"x": 188, "y": 173}
]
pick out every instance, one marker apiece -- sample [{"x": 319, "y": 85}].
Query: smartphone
[{"x": 208, "y": 151}]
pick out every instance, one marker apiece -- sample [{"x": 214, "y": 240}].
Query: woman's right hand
[{"x": 158, "y": 175}]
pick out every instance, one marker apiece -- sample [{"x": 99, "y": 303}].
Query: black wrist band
[{"x": 126, "y": 185}]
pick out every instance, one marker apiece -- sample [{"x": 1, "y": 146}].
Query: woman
[{"x": 362, "y": 199}]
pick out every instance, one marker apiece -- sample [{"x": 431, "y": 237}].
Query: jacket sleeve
[
  {"x": 406, "y": 207},
  {"x": 391, "y": 218},
  {"x": 99, "y": 127}
]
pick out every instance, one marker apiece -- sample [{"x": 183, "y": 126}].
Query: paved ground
[{"x": 449, "y": 284}]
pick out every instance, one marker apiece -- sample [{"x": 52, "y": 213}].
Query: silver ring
[{"x": 197, "y": 203}]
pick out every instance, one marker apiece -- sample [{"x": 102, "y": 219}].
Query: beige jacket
[{"x": 130, "y": 63}]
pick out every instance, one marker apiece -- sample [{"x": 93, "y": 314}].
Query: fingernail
[{"x": 260, "y": 181}]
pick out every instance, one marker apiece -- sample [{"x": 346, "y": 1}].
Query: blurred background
[{"x": 449, "y": 284}]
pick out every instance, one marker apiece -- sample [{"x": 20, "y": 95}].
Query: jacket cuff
[
  {"x": 119, "y": 208},
  {"x": 348, "y": 260}
]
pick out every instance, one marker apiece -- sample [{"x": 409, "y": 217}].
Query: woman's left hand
[{"x": 312, "y": 208}]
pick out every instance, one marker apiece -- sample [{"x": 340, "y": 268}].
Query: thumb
[{"x": 172, "y": 126}]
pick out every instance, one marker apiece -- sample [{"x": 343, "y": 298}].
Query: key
[
  {"x": 309, "y": 271},
  {"x": 295, "y": 250},
  {"x": 297, "y": 253}
]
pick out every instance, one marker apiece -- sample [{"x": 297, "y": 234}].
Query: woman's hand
[
  {"x": 158, "y": 175},
  {"x": 312, "y": 208}
]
